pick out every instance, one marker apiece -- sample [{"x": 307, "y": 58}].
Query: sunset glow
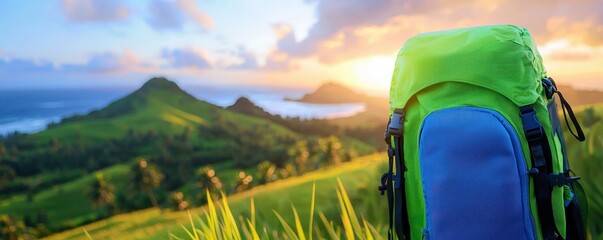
[{"x": 94, "y": 43}]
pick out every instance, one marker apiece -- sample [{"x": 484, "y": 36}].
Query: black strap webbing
[
  {"x": 550, "y": 90},
  {"x": 402, "y": 225},
  {"x": 386, "y": 185},
  {"x": 392, "y": 182},
  {"x": 576, "y": 211},
  {"x": 540, "y": 153},
  {"x": 567, "y": 109},
  {"x": 386, "y": 181}
]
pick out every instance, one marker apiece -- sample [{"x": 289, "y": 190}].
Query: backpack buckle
[
  {"x": 395, "y": 126},
  {"x": 549, "y": 87},
  {"x": 560, "y": 179},
  {"x": 531, "y": 127}
]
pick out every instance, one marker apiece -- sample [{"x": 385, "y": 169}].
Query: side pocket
[{"x": 474, "y": 176}]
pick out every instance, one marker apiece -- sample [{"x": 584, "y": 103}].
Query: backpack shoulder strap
[
  {"x": 540, "y": 154},
  {"x": 396, "y": 193}
]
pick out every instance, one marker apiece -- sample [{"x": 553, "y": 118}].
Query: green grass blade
[
  {"x": 355, "y": 224},
  {"x": 224, "y": 226},
  {"x": 345, "y": 218},
  {"x": 88, "y": 234},
  {"x": 190, "y": 235},
  {"x": 213, "y": 216},
  {"x": 229, "y": 219},
  {"x": 190, "y": 218},
  {"x": 266, "y": 236},
  {"x": 298, "y": 226},
  {"x": 252, "y": 206},
  {"x": 318, "y": 233},
  {"x": 244, "y": 228},
  {"x": 375, "y": 232},
  {"x": 367, "y": 232},
  {"x": 204, "y": 230},
  {"x": 254, "y": 233},
  {"x": 288, "y": 230},
  {"x": 172, "y": 236},
  {"x": 328, "y": 226},
  {"x": 312, "y": 205}
]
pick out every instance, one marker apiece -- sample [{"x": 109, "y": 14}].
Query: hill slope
[
  {"x": 333, "y": 93},
  {"x": 359, "y": 176},
  {"x": 159, "y": 105},
  {"x": 245, "y": 106},
  {"x": 168, "y": 128}
]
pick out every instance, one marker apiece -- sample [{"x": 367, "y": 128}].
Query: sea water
[{"x": 30, "y": 111}]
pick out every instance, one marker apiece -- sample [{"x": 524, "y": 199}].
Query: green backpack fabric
[{"x": 475, "y": 144}]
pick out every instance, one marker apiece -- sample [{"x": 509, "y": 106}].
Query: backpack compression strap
[
  {"x": 542, "y": 171},
  {"x": 576, "y": 210},
  {"x": 396, "y": 195},
  {"x": 540, "y": 153},
  {"x": 386, "y": 181}
]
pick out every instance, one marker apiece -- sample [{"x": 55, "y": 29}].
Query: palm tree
[
  {"x": 147, "y": 177},
  {"x": 102, "y": 194},
  {"x": 208, "y": 181}
]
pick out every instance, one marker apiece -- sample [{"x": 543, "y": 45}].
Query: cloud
[
  {"x": 173, "y": 15},
  {"x": 19, "y": 65},
  {"x": 186, "y": 58},
  {"x": 348, "y": 29},
  {"x": 249, "y": 60},
  {"x": 108, "y": 62},
  {"x": 94, "y": 10},
  {"x": 335, "y": 16}
]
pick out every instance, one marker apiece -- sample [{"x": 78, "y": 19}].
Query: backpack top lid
[{"x": 502, "y": 58}]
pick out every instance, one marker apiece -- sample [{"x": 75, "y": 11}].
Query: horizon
[
  {"x": 294, "y": 44},
  {"x": 86, "y": 100}
]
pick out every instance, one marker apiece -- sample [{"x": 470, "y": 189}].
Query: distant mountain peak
[
  {"x": 331, "y": 92},
  {"x": 243, "y": 101},
  {"x": 333, "y": 86},
  {"x": 160, "y": 83},
  {"x": 157, "y": 90},
  {"x": 246, "y": 106}
]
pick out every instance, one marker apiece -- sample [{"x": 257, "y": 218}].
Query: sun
[{"x": 373, "y": 73}]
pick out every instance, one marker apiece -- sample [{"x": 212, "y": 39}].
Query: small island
[{"x": 330, "y": 93}]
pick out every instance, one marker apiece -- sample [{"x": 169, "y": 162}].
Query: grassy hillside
[
  {"x": 360, "y": 177},
  {"x": 48, "y": 176},
  {"x": 159, "y": 105},
  {"x": 66, "y": 205}
]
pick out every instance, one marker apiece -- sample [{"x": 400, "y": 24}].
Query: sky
[{"x": 59, "y": 44}]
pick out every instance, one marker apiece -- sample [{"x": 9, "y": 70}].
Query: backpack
[{"x": 474, "y": 141}]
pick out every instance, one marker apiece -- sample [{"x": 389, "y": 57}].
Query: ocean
[{"x": 30, "y": 111}]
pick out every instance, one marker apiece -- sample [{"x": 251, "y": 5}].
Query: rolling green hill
[
  {"x": 185, "y": 139},
  {"x": 48, "y": 176},
  {"x": 159, "y": 105},
  {"x": 66, "y": 204},
  {"x": 359, "y": 176}
]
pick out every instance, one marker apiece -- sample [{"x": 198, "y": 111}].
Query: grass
[
  {"x": 219, "y": 223},
  {"x": 161, "y": 110},
  {"x": 586, "y": 160},
  {"x": 292, "y": 200},
  {"x": 359, "y": 177},
  {"x": 65, "y": 204}
]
